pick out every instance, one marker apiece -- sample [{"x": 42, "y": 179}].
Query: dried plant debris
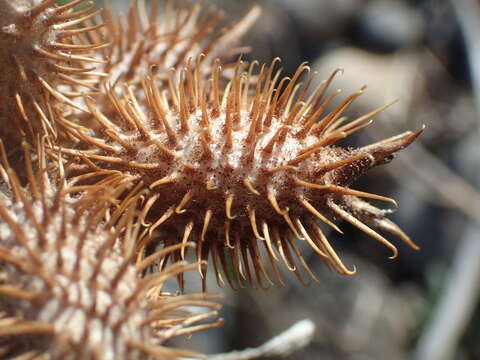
[
  {"x": 70, "y": 287},
  {"x": 237, "y": 167}
]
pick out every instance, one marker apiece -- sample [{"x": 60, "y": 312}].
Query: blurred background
[{"x": 424, "y": 305}]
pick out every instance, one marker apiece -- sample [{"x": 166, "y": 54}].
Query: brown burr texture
[
  {"x": 237, "y": 167},
  {"x": 47, "y": 61},
  {"x": 71, "y": 287}
]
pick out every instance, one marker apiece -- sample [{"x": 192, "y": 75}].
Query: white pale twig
[
  {"x": 294, "y": 338},
  {"x": 440, "y": 339}
]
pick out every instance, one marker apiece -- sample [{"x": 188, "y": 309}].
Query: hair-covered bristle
[
  {"x": 47, "y": 61},
  {"x": 71, "y": 287},
  {"x": 247, "y": 165}
]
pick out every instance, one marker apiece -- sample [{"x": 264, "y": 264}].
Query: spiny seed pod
[
  {"x": 46, "y": 60},
  {"x": 252, "y": 163},
  {"x": 159, "y": 42},
  {"x": 69, "y": 288},
  {"x": 169, "y": 40}
]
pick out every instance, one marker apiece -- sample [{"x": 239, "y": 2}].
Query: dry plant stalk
[{"x": 158, "y": 143}]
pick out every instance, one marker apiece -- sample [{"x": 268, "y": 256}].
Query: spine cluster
[
  {"x": 70, "y": 285},
  {"x": 152, "y": 142},
  {"x": 247, "y": 164},
  {"x": 48, "y": 60}
]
